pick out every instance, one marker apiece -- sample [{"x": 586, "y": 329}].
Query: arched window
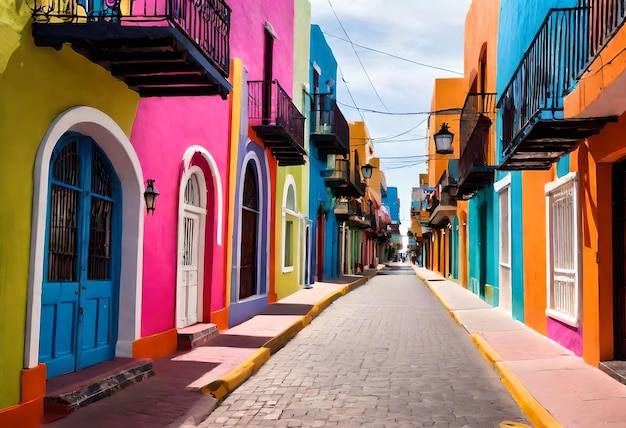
[{"x": 250, "y": 214}]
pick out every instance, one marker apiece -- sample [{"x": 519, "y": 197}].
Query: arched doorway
[
  {"x": 80, "y": 287},
  {"x": 250, "y": 216},
  {"x": 191, "y": 240}
]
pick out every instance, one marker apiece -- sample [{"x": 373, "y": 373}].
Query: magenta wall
[
  {"x": 164, "y": 129},
  {"x": 568, "y": 337},
  {"x": 247, "y": 37}
]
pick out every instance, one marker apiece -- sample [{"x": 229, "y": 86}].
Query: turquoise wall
[
  {"x": 526, "y": 18},
  {"x": 482, "y": 241}
]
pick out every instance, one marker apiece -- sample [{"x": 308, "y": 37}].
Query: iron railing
[
  {"x": 327, "y": 118},
  {"x": 476, "y": 105},
  {"x": 546, "y": 74},
  {"x": 341, "y": 171},
  {"x": 348, "y": 208},
  {"x": 476, "y": 151},
  {"x": 205, "y": 22},
  {"x": 605, "y": 18},
  {"x": 269, "y": 104}
]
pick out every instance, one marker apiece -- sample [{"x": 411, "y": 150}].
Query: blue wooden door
[{"x": 79, "y": 301}]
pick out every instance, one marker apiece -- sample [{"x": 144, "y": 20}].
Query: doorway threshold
[
  {"x": 69, "y": 392},
  {"x": 616, "y": 369}
]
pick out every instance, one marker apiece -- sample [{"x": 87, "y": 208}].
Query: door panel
[
  {"x": 79, "y": 293},
  {"x": 619, "y": 260}
]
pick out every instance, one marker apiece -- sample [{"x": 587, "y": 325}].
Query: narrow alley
[{"x": 386, "y": 354}]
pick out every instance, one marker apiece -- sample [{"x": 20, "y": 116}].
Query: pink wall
[
  {"x": 165, "y": 127},
  {"x": 247, "y": 37},
  {"x": 163, "y": 130},
  {"x": 566, "y": 336}
]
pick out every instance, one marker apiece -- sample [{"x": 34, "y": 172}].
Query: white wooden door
[
  {"x": 191, "y": 252},
  {"x": 189, "y": 269}
]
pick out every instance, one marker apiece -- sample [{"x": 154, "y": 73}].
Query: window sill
[{"x": 564, "y": 318}]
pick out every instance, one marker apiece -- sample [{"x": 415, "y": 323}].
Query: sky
[{"x": 389, "y": 53}]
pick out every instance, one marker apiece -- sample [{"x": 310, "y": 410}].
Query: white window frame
[
  {"x": 572, "y": 318},
  {"x": 499, "y": 187},
  {"x": 289, "y": 215}
]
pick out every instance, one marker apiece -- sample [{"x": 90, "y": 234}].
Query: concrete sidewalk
[
  {"x": 189, "y": 385},
  {"x": 552, "y": 386}
]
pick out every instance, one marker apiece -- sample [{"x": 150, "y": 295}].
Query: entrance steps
[
  {"x": 69, "y": 392},
  {"x": 196, "y": 335}
]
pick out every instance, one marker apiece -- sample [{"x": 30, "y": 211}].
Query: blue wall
[
  {"x": 392, "y": 201},
  {"x": 323, "y": 57},
  {"x": 525, "y": 18}
]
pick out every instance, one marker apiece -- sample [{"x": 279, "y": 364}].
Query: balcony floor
[
  {"x": 151, "y": 60},
  {"x": 542, "y": 142}
]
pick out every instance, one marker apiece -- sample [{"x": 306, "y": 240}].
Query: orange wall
[
  {"x": 595, "y": 160},
  {"x": 534, "y": 226},
  {"x": 481, "y": 35},
  {"x": 447, "y": 94}
]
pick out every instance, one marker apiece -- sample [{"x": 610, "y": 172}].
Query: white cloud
[{"x": 425, "y": 31}]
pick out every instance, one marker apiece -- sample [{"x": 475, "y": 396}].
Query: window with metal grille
[
  {"x": 290, "y": 217},
  {"x": 563, "y": 254}
]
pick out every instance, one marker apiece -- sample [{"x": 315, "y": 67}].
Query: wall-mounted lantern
[
  {"x": 443, "y": 140},
  {"x": 367, "y": 170},
  {"x": 150, "y": 195}
]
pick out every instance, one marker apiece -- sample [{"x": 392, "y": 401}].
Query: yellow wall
[{"x": 37, "y": 85}]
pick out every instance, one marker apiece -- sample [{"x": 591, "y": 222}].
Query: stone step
[
  {"x": 67, "y": 393},
  {"x": 196, "y": 335}
]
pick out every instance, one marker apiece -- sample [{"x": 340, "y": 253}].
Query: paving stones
[{"x": 386, "y": 354}]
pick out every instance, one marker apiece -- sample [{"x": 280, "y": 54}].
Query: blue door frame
[{"x": 79, "y": 307}]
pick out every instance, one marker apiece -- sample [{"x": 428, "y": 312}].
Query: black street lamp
[
  {"x": 443, "y": 140},
  {"x": 150, "y": 195},
  {"x": 367, "y": 170}
]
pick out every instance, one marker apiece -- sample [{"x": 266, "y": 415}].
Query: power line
[
  {"x": 357, "y": 55},
  {"x": 394, "y": 56},
  {"x": 442, "y": 111}
]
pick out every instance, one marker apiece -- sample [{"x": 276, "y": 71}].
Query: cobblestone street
[{"x": 385, "y": 355}]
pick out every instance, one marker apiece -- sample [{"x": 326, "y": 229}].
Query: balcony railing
[
  {"x": 353, "y": 186},
  {"x": 269, "y": 104},
  {"x": 329, "y": 128},
  {"x": 606, "y": 17},
  {"x": 534, "y": 130},
  {"x": 340, "y": 175},
  {"x": 477, "y": 105},
  {"x": 545, "y": 75},
  {"x": 477, "y": 161},
  {"x": 276, "y": 120},
  {"x": 92, "y": 26},
  {"x": 348, "y": 208}
]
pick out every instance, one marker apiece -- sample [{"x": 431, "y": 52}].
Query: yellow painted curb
[
  {"x": 536, "y": 414},
  {"x": 284, "y": 336},
  {"x": 259, "y": 358},
  {"x": 490, "y": 354},
  {"x": 228, "y": 382}
]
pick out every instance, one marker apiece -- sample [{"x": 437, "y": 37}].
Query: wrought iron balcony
[
  {"x": 353, "y": 186},
  {"x": 345, "y": 209},
  {"x": 277, "y": 121},
  {"x": 442, "y": 206},
  {"x": 329, "y": 128},
  {"x": 340, "y": 175},
  {"x": 157, "y": 47},
  {"x": 477, "y": 161},
  {"x": 534, "y": 130}
]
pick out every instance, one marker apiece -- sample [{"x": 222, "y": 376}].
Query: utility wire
[
  {"x": 349, "y": 93},
  {"x": 394, "y": 56},
  {"x": 357, "y": 55}
]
